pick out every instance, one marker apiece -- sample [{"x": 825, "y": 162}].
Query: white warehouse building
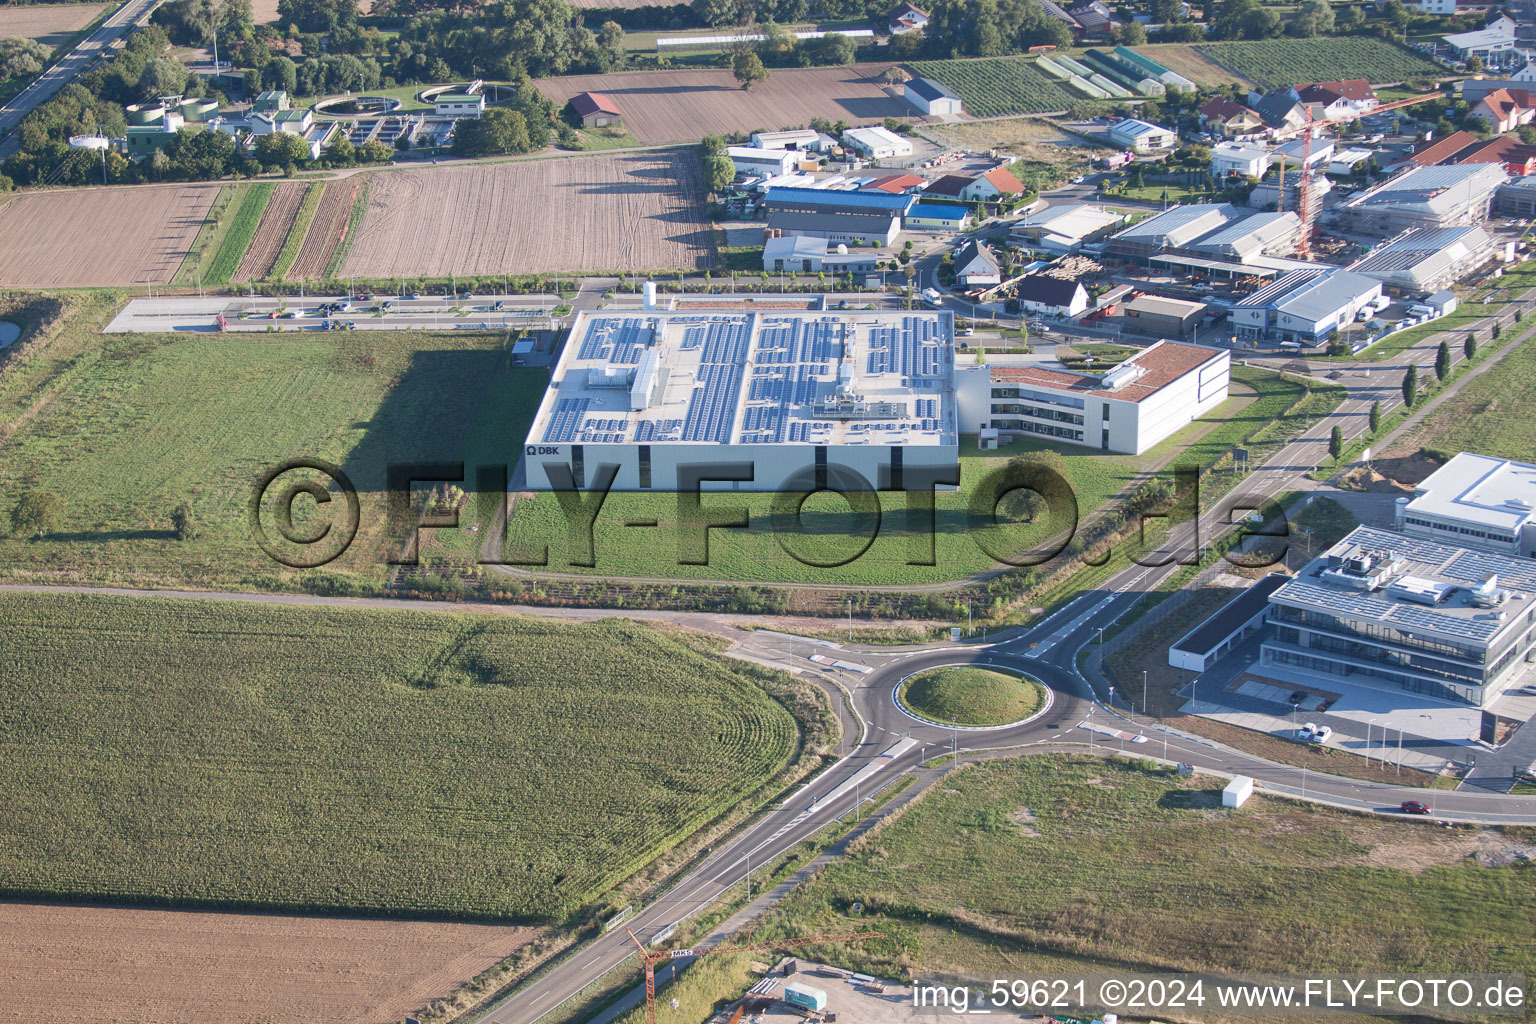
[
  {"x": 876, "y": 143},
  {"x": 752, "y": 401},
  {"x": 1477, "y": 501},
  {"x": 772, "y": 162},
  {"x": 1126, "y": 410}
]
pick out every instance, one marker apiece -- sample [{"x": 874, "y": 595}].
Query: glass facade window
[{"x": 1038, "y": 396}]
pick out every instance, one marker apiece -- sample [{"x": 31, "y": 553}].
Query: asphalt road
[
  {"x": 75, "y": 63},
  {"x": 894, "y": 742}
]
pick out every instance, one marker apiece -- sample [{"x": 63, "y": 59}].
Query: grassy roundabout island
[{"x": 967, "y": 695}]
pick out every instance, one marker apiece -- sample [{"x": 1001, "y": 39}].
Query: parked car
[
  {"x": 413, "y": 296},
  {"x": 1415, "y": 807},
  {"x": 1323, "y": 734},
  {"x": 293, "y": 314},
  {"x": 1307, "y": 731},
  {"x": 1296, "y": 697}
]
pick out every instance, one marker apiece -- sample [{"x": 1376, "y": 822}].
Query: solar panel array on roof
[
  {"x": 916, "y": 349},
  {"x": 618, "y": 340},
  {"x": 567, "y": 418}
]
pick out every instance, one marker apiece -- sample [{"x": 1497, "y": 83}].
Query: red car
[{"x": 1415, "y": 807}]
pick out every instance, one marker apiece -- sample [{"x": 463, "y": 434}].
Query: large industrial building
[
  {"x": 1066, "y": 227},
  {"x": 1126, "y": 410},
  {"x": 1426, "y": 197},
  {"x": 1478, "y": 501},
  {"x": 772, "y": 399},
  {"x": 1218, "y": 238},
  {"x": 1426, "y": 260},
  {"x": 1395, "y": 611},
  {"x": 851, "y": 217},
  {"x": 1304, "y": 306}
]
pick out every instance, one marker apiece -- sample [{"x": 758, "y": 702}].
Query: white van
[{"x": 1421, "y": 310}]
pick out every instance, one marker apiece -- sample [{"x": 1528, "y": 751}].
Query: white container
[{"x": 1237, "y": 792}]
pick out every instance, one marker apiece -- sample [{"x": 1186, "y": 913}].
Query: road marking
[{"x": 589, "y": 963}]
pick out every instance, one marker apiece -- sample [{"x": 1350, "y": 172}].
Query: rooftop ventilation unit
[
  {"x": 1361, "y": 570},
  {"x": 1122, "y": 375},
  {"x": 1419, "y": 590},
  {"x": 1488, "y": 594}
]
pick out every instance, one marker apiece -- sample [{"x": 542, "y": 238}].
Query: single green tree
[
  {"x": 748, "y": 68},
  {"x": 183, "y": 521},
  {"x": 1469, "y": 347},
  {"x": 36, "y": 514},
  {"x": 1375, "y": 416},
  {"x": 1443, "y": 361},
  {"x": 1336, "y": 443},
  {"x": 1411, "y": 386}
]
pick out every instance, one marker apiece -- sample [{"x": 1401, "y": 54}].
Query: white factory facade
[
  {"x": 752, "y": 401},
  {"x": 1477, "y": 501},
  {"x": 1396, "y": 611},
  {"x": 1126, "y": 410}
]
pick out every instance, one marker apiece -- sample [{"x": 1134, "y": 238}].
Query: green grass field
[
  {"x": 968, "y": 695},
  {"x": 429, "y": 763},
  {"x": 1489, "y": 415},
  {"x": 237, "y": 237},
  {"x": 757, "y": 553},
  {"x": 1401, "y": 341},
  {"x": 996, "y": 86},
  {"x": 124, "y": 428},
  {"x": 1276, "y": 63},
  {"x": 1076, "y": 863}
]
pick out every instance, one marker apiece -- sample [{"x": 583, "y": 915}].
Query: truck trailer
[{"x": 805, "y": 997}]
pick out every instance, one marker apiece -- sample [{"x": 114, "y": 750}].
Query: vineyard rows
[
  {"x": 1275, "y": 63},
  {"x": 997, "y": 86},
  {"x": 403, "y": 762}
]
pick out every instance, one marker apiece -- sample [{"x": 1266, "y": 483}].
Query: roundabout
[{"x": 971, "y": 697}]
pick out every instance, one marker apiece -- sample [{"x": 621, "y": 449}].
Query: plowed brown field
[
  {"x": 626, "y": 211},
  {"x": 73, "y": 965},
  {"x": 51, "y": 24},
  {"x": 682, "y": 106},
  {"x": 100, "y": 236},
  {"x": 272, "y": 232},
  {"x": 325, "y": 229}
]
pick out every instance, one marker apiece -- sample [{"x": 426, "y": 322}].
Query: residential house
[
  {"x": 950, "y": 186},
  {"x": 1094, "y": 17},
  {"x": 1051, "y": 296},
  {"x": 1279, "y": 108},
  {"x": 1441, "y": 7},
  {"x": 991, "y": 185},
  {"x": 906, "y": 18},
  {"x": 1293, "y": 152},
  {"x": 1229, "y": 158},
  {"x": 1504, "y": 110},
  {"x": 1338, "y": 99},
  {"x": 975, "y": 266},
  {"x": 1225, "y": 118},
  {"x": 595, "y": 109},
  {"x": 1055, "y": 10}
]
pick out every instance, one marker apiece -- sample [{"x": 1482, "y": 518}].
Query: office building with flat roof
[
  {"x": 1127, "y": 409},
  {"x": 1389, "y": 610},
  {"x": 1476, "y": 500}
]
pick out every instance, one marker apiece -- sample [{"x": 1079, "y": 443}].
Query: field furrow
[
  {"x": 619, "y": 212},
  {"x": 271, "y": 232},
  {"x": 325, "y": 230},
  {"x": 131, "y": 235}
]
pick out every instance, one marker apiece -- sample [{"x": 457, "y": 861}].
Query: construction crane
[
  {"x": 1308, "y": 129},
  {"x": 650, "y": 957}
]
